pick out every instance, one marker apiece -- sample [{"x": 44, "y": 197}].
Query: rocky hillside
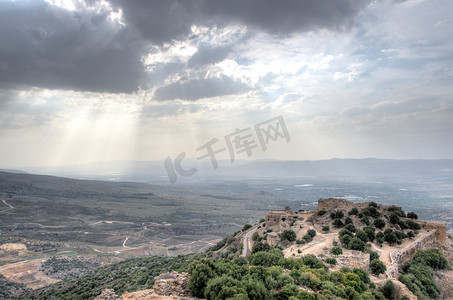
[{"x": 341, "y": 250}]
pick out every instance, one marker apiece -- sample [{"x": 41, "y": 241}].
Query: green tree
[
  {"x": 338, "y": 223},
  {"x": 255, "y": 289},
  {"x": 390, "y": 238},
  {"x": 412, "y": 215},
  {"x": 350, "y": 227},
  {"x": 362, "y": 235},
  {"x": 370, "y": 231},
  {"x": 222, "y": 287},
  {"x": 353, "y": 211},
  {"x": 345, "y": 239},
  {"x": 325, "y": 228},
  {"x": 356, "y": 244},
  {"x": 394, "y": 218},
  {"x": 260, "y": 247},
  {"x": 331, "y": 261},
  {"x": 377, "y": 267},
  {"x": 374, "y": 255},
  {"x": 311, "y": 232},
  {"x": 255, "y": 236},
  {"x": 388, "y": 290},
  {"x": 336, "y": 250},
  {"x": 339, "y": 214},
  {"x": 286, "y": 292},
  {"x": 246, "y": 227},
  {"x": 199, "y": 278},
  {"x": 288, "y": 235},
  {"x": 379, "y": 223}
]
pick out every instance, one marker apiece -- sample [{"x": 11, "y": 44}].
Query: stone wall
[
  {"x": 172, "y": 284},
  {"x": 440, "y": 227},
  {"x": 399, "y": 256},
  {"x": 334, "y": 204}
]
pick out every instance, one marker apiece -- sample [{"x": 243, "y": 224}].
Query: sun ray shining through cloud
[{"x": 85, "y": 81}]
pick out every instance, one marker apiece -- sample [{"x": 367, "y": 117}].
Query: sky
[{"x": 87, "y": 80}]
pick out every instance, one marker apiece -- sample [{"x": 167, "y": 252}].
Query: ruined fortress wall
[
  {"x": 439, "y": 227},
  {"x": 400, "y": 256},
  {"x": 334, "y": 204}
]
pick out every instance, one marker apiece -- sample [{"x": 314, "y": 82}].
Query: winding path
[
  {"x": 246, "y": 241},
  {"x": 10, "y": 206}
]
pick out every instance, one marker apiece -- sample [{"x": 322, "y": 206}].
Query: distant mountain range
[{"x": 154, "y": 171}]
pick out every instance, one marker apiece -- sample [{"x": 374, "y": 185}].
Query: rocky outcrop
[
  {"x": 107, "y": 294},
  {"x": 334, "y": 204},
  {"x": 273, "y": 239},
  {"x": 172, "y": 284}
]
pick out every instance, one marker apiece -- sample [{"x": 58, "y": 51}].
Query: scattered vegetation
[
  {"x": 418, "y": 273},
  {"x": 264, "y": 279}
]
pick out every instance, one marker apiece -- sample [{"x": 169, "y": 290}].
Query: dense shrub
[
  {"x": 374, "y": 255},
  {"x": 418, "y": 275},
  {"x": 362, "y": 235},
  {"x": 322, "y": 212},
  {"x": 394, "y": 218},
  {"x": 345, "y": 239},
  {"x": 390, "y": 238},
  {"x": 397, "y": 210},
  {"x": 338, "y": 223},
  {"x": 311, "y": 232},
  {"x": 260, "y": 247},
  {"x": 371, "y": 211},
  {"x": 379, "y": 223},
  {"x": 353, "y": 211},
  {"x": 377, "y": 267},
  {"x": 246, "y": 227},
  {"x": 288, "y": 235},
  {"x": 350, "y": 227},
  {"x": 413, "y": 225},
  {"x": 412, "y": 215},
  {"x": 365, "y": 221},
  {"x": 336, "y": 250},
  {"x": 325, "y": 228},
  {"x": 388, "y": 290},
  {"x": 370, "y": 231},
  {"x": 331, "y": 261},
  {"x": 356, "y": 244}
]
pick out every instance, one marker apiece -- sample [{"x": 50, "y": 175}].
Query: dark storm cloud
[
  {"x": 162, "y": 21},
  {"x": 286, "y": 16},
  {"x": 49, "y": 47},
  {"x": 200, "y": 88},
  {"x": 46, "y": 46}
]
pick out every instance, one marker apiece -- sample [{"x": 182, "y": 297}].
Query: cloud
[
  {"x": 196, "y": 89},
  {"x": 207, "y": 55},
  {"x": 163, "y": 21},
  {"x": 49, "y": 47},
  {"x": 285, "y": 17},
  {"x": 87, "y": 49}
]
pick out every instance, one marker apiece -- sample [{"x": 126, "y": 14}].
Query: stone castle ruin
[{"x": 280, "y": 220}]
